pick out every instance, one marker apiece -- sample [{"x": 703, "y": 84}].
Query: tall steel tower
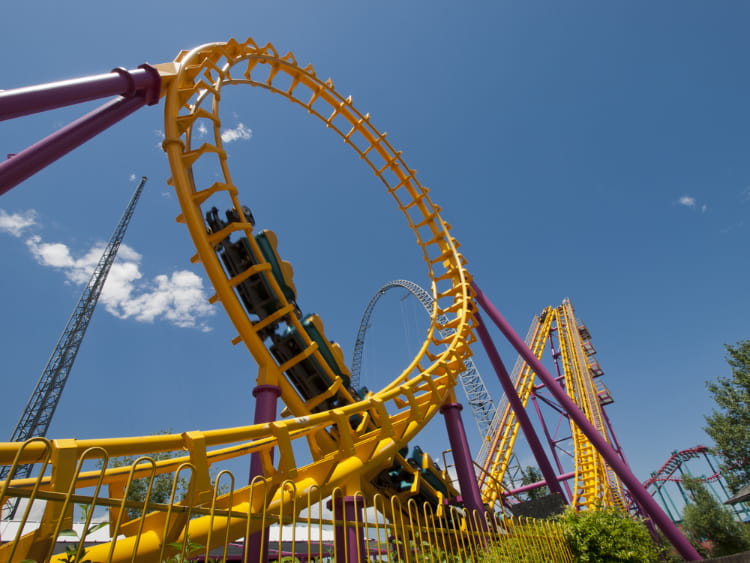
[{"x": 38, "y": 413}]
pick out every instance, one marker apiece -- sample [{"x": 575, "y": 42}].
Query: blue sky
[{"x": 596, "y": 151}]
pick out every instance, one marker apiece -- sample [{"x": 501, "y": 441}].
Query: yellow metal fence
[{"x": 107, "y": 519}]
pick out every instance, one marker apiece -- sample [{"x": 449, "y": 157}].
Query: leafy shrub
[{"x": 608, "y": 535}]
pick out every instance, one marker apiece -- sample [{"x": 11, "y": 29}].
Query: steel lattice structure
[
  {"x": 477, "y": 395},
  {"x": 40, "y": 408}
]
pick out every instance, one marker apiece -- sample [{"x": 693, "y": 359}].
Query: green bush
[{"x": 608, "y": 536}]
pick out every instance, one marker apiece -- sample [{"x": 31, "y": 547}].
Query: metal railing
[{"x": 109, "y": 520}]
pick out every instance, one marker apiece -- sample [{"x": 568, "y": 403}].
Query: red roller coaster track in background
[{"x": 674, "y": 471}]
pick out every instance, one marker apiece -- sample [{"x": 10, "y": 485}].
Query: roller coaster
[
  {"x": 332, "y": 441},
  {"x": 569, "y": 341},
  {"x": 697, "y": 462}
]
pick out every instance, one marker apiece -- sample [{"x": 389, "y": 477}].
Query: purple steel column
[
  {"x": 519, "y": 490},
  {"x": 654, "y": 511},
  {"x": 535, "y": 399},
  {"x": 550, "y": 441},
  {"x": 617, "y": 446},
  {"x": 42, "y": 97},
  {"x": 467, "y": 479},
  {"x": 515, "y": 402},
  {"x": 256, "y": 550},
  {"x": 265, "y": 411},
  {"x": 31, "y": 160},
  {"x": 350, "y": 538},
  {"x": 39, "y": 155}
]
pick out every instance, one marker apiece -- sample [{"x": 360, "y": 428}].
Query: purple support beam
[
  {"x": 467, "y": 479},
  {"x": 652, "y": 508},
  {"x": 550, "y": 441},
  {"x": 43, "y": 97},
  {"x": 515, "y": 402},
  {"x": 636, "y": 506},
  {"x": 519, "y": 490},
  {"x": 553, "y": 444},
  {"x": 141, "y": 90},
  {"x": 266, "y": 397},
  {"x": 349, "y": 537},
  {"x": 43, "y": 153},
  {"x": 612, "y": 435}
]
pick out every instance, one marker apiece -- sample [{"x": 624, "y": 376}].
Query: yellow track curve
[{"x": 425, "y": 383}]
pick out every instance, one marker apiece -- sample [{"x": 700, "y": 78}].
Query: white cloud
[
  {"x": 57, "y": 255},
  {"x": 240, "y": 133},
  {"x": 178, "y": 298},
  {"x": 160, "y": 134},
  {"x": 132, "y": 177},
  {"x": 202, "y": 130},
  {"x": 15, "y": 223},
  {"x": 691, "y": 202},
  {"x": 50, "y": 254},
  {"x": 687, "y": 201}
]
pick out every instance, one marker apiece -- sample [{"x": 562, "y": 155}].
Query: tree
[
  {"x": 161, "y": 485},
  {"x": 729, "y": 425},
  {"x": 532, "y": 475},
  {"x": 704, "y": 519}
]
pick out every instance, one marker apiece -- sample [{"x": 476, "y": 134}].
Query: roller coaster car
[
  {"x": 595, "y": 369},
  {"x": 256, "y": 291},
  {"x": 398, "y": 477},
  {"x": 282, "y": 270},
  {"x": 583, "y": 331},
  {"x": 416, "y": 477},
  {"x": 605, "y": 397},
  {"x": 216, "y": 224},
  {"x": 431, "y": 472},
  {"x": 310, "y": 377},
  {"x": 234, "y": 217}
]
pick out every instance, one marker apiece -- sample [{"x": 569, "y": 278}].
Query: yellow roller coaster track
[
  {"x": 594, "y": 482},
  {"x": 344, "y": 457},
  {"x": 592, "y": 485},
  {"x": 494, "y": 459}
]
